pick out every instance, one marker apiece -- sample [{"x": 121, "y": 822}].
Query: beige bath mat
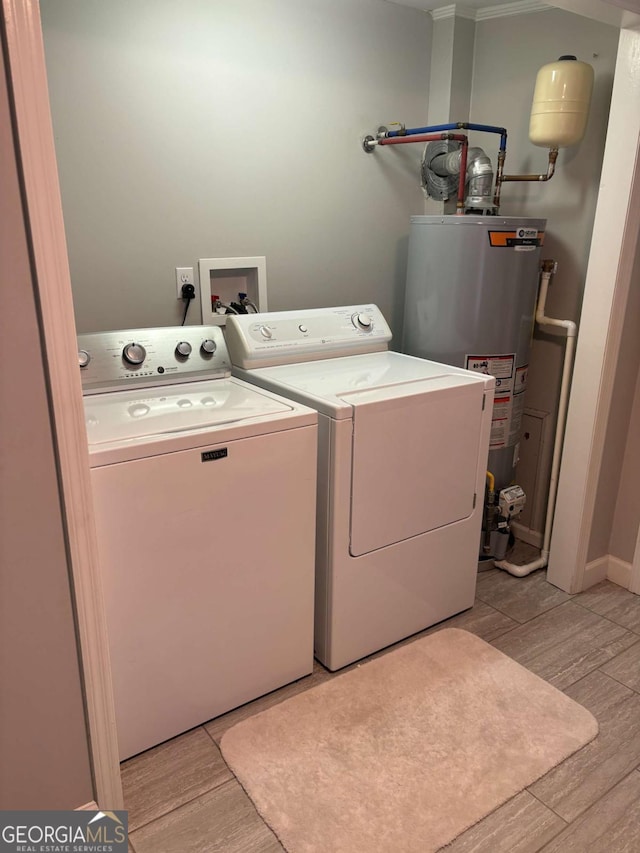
[{"x": 405, "y": 752}]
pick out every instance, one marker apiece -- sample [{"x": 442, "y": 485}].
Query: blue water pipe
[{"x": 459, "y": 125}]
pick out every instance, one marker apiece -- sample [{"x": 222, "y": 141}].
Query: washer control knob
[
  {"x": 303, "y": 328},
  {"x": 208, "y": 347},
  {"x": 266, "y": 332},
  {"x": 363, "y": 321},
  {"x": 134, "y": 353},
  {"x": 183, "y": 349},
  {"x": 83, "y": 358}
]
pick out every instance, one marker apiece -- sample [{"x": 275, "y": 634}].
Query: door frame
[
  {"x": 38, "y": 174},
  {"x": 609, "y": 272},
  {"x": 634, "y": 585}
]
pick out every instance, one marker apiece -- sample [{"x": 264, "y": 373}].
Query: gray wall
[
  {"x": 508, "y": 53},
  {"x": 44, "y": 759},
  {"x": 214, "y": 129}
]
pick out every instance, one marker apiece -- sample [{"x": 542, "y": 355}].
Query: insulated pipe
[
  {"x": 423, "y": 137},
  {"x": 369, "y": 143},
  {"x": 459, "y": 125},
  {"x": 548, "y": 270}
]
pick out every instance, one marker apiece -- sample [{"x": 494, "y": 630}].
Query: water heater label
[
  {"x": 517, "y": 410},
  {"x": 500, "y": 366},
  {"x": 509, "y": 381},
  {"x": 522, "y": 239}
]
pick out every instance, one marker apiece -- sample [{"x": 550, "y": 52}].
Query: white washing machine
[
  {"x": 402, "y": 453},
  {"x": 204, "y": 490}
]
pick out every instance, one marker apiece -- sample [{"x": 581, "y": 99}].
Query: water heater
[{"x": 470, "y": 301}]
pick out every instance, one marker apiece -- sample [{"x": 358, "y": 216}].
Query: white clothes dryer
[
  {"x": 204, "y": 490},
  {"x": 402, "y": 453}
]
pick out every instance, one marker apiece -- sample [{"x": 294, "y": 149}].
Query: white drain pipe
[{"x": 548, "y": 270}]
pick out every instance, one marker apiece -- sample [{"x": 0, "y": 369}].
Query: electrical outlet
[{"x": 184, "y": 275}]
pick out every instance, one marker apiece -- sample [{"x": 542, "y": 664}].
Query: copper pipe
[
  {"x": 553, "y": 156},
  {"x": 500, "y": 178}
]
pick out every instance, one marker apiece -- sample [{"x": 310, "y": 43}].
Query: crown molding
[
  {"x": 519, "y": 7},
  {"x": 452, "y": 12}
]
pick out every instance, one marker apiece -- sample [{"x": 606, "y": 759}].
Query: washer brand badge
[
  {"x": 528, "y": 237},
  {"x": 212, "y": 455}
]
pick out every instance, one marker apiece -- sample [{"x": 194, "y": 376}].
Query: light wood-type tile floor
[{"x": 182, "y": 798}]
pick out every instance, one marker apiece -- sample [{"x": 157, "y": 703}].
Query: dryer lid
[
  {"x": 130, "y": 415},
  {"x": 329, "y": 385}
]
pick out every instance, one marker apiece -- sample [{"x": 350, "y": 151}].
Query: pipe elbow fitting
[{"x": 480, "y": 178}]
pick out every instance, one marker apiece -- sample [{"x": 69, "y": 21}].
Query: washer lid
[
  {"x": 128, "y": 415},
  {"x": 328, "y": 385}
]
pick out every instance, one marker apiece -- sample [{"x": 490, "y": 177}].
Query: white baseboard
[
  {"x": 607, "y": 568},
  {"x": 526, "y": 534},
  {"x": 619, "y": 572},
  {"x": 88, "y": 807},
  {"x": 595, "y": 571}
]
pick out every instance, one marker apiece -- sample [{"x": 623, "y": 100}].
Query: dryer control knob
[
  {"x": 83, "y": 358},
  {"x": 266, "y": 332},
  {"x": 363, "y": 321},
  {"x": 208, "y": 347},
  {"x": 183, "y": 349},
  {"x": 134, "y": 353}
]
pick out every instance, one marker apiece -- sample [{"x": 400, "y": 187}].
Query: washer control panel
[
  {"x": 284, "y": 337},
  {"x": 110, "y": 361}
]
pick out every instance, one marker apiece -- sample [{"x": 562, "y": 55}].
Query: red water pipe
[{"x": 434, "y": 137}]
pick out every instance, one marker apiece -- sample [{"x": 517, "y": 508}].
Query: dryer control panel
[
  {"x": 110, "y": 361},
  {"x": 285, "y": 337}
]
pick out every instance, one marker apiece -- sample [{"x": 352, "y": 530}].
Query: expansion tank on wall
[{"x": 470, "y": 301}]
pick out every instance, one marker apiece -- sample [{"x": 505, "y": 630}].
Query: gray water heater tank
[{"x": 470, "y": 301}]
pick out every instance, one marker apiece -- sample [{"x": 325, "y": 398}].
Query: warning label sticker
[
  {"x": 522, "y": 239},
  {"x": 517, "y": 411},
  {"x": 501, "y": 366},
  {"x": 520, "y": 386},
  {"x": 521, "y": 379}
]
